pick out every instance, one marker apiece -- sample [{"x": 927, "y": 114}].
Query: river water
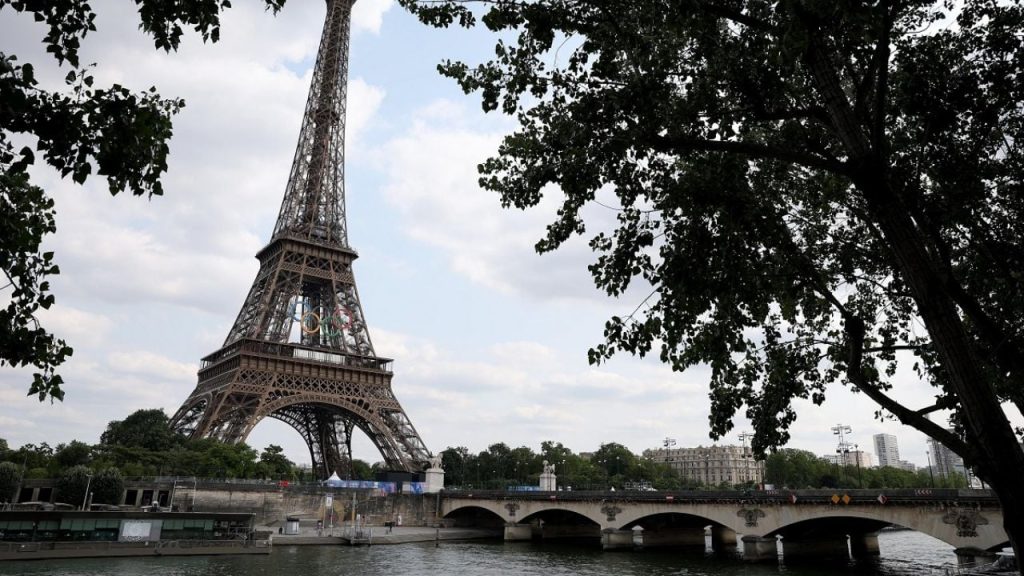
[{"x": 904, "y": 553}]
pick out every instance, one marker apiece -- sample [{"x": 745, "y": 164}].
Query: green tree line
[
  {"x": 144, "y": 445},
  {"x": 140, "y": 445},
  {"x": 797, "y": 469}
]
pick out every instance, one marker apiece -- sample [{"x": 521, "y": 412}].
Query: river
[{"x": 904, "y": 553}]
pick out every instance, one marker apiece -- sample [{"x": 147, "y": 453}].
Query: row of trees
[
  {"x": 500, "y": 466},
  {"x": 144, "y": 445},
  {"x": 140, "y": 445},
  {"x": 613, "y": 465},
  {"x": 802, "y": 469}
]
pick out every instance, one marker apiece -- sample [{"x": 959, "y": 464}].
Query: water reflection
[{"x": 904, "y": 553}]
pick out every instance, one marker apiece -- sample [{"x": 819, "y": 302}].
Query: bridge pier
[
  {"x": 549, "y": 531},
  {"x": 722, "y": 538},
  {"x": 518, "y": 532},
  {"x": 612, "y": 539},
  {"x": 675, "y": 538},
  {"x": 971, "y": 555},
  {"x": 834, "y": 546},
  {"x": 864, "y": 545},
  {"x": 760, "y": 549}
]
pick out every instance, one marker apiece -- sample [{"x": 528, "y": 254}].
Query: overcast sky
[{"x": 489, "y": 339}]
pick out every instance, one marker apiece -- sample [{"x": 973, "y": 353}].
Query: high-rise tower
[
  {"x": 299, "y": 350},
  {"x": 887, "y": 450}
]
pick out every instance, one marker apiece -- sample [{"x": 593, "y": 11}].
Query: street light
[
  {"x": 856, "y": 453},
  {"x": 88, "y": 483},
  {"x": 746, "y": 456}
]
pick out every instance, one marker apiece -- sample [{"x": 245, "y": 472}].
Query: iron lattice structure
[{"x": 299, "y": 350}]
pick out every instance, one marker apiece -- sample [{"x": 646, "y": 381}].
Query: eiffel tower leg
[{"x": 336, "y": 439}]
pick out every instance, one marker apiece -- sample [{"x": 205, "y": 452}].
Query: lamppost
[
  {"x": 856, "y": 453},
  {"x": 88, "y": 483},
  {"x": 746, "y": 456}
]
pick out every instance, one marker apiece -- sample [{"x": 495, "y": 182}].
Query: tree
[
  {"x": 456, "y": 463},
  {"x": 110, "y": 131},
  {"x": 73, "y": 454},
  {"x": 146, "y": 429},
  {"x": 361, "y": 470},
  {"x": 108, "y": 486},
  {"x": 277, "y": 464},
  {"x": 72, "y": 485},
  {"x": 10, "y": 479},
  {"x": 795, "y": 469},
  {"x": 615, "y": 460},
  {"x": 33, "y": 457},
  {"x": 808, "y": 193}
]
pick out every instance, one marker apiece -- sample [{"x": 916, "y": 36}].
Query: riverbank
[{"x": 379, "y": 535}]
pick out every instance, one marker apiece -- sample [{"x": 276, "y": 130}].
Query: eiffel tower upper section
[{"x": 312, "y": 217}]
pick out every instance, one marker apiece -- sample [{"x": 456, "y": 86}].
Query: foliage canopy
[{"x": 812, "y": 191}]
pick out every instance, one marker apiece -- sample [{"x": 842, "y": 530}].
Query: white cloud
[
  {"x": 369, "y": 14},
  {"x": 146, "y": 363},
  {"x": 432, "y": 183}
]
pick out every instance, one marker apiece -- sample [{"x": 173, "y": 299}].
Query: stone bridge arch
[
  {"x": 960, "y": 527},
  {"x": 810, "y": 523},
  {"x": 475, "y": 516}
]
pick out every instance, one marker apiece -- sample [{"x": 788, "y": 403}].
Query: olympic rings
[{"x": 331, "y": 325}]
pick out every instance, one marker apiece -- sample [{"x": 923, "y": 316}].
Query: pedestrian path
[{"x": 308, "y": 536}]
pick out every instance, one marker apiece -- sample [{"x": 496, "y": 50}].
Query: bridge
[{"x": 812, "y": 524}]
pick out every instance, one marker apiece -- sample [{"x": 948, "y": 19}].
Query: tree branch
[
  {"x": 679, "y": 144},
  {"x": 891, "y": 348},
  {"x": 854, "y": 329},
  {"x": 943, "y": 403},
  {"x": 738, "y": 17},
  {"x": 882, "y": 89}
]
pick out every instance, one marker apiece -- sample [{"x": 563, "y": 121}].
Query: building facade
[
  {"x": 711, "y": 465},
  {"x": 944, "y": 461},
  {"x": 887, "y": 450},
  {"x": 851, "y": 458}
]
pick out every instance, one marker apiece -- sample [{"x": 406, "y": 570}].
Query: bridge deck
[{"x": 880, "y": 496}]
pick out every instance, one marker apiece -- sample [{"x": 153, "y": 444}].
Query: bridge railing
[{"x": 880, "y": 496}]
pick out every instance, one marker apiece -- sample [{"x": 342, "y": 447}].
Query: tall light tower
[
  {"x": 744, "y": 436},
  {"x": 844, "y": 448}
]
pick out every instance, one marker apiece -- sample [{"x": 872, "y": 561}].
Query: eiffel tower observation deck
[{"x": 299, "y": 350}]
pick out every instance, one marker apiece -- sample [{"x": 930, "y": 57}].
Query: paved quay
[{"x": 379, "y": 535}]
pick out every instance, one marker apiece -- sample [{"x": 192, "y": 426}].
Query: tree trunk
[{"x": 1000, "y": 457}]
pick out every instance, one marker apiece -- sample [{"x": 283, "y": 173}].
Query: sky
[{"x": 489, "y": 339}]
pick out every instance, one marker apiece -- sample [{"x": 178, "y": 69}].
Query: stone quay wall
[{"x": 272, "y": 504}]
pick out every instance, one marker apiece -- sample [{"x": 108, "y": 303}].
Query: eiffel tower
[{"x": 299, "y": 350}]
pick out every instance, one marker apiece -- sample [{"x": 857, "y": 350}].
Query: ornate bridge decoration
[
  {"x": 512, "y": 507},
  {"x": 750, "y": 516},
  {"x": 610, "y": 511},
  {"x": 966, "y": 521}
]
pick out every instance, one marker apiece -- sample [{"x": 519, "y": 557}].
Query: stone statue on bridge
[
  {"x": 548, "y": 482},
  {"x": 435, "y": 462}
]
